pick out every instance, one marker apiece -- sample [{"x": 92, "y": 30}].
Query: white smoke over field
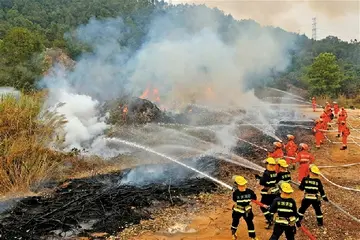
[{"x": 183, "y": 54}]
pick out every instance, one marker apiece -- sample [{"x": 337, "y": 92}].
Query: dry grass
[
  {"x": 28, "y": 139},
  {"x": 25, "y": 137},
  {"x": 342, "y": 101}
]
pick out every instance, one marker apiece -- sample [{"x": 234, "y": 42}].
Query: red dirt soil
[{"x": 213, "y": 221}]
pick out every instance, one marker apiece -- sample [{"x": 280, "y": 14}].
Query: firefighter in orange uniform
[
  {"x": 325, "y": 119},
  {"x": 313, "y": 102},
  {"x": 291, "y": 149},
  {"x": 345, "y": 132},
  {"x": 305, "y": 159},
  {"x": 324, "y": 128},
  {"x": 125, "y": 112},
  {"x": 336, "y": 109},
  {"x": 277, "y": 153},
  {"x": 341, "y": 118},
  {"x": 318, "y": 133},
  {"x": 343, "y": 111}
]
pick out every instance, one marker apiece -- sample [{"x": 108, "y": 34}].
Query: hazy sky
[{"x": 339, "y": 18}]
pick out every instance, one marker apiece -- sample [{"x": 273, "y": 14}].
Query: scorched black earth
[{"x": 101, "y": 204}]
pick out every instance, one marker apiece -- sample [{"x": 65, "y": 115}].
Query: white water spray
[
  {"x": 132, "y": 144},
  {"x": 278, "y": 90}
]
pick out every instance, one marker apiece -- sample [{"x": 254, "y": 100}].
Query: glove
[
  {"x": 325, "y": 199},
  {"x": 257, "y": 176},
  {"x": 298, "y": 224},
  {"x": 294, "y": 230}
]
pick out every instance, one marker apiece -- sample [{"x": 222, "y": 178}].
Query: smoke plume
[{"x": 183, "y": 54}]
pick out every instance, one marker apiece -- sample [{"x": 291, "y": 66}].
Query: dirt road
[{"x": 213, "y": 219}]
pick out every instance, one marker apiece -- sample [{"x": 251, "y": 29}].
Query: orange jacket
[
  {"x": 340, "y": 119},
  {"x": 278, "y": 153},
  {"x": 291, "y": 147},
  {"x": 304, "y": 157},
  {"x": 345, "y": 131},
  {"x": 344, "y": 113}
]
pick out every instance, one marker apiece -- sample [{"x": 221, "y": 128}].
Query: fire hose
[
  {"x": 337, "y": 206},
  {"x": 304, "y": 229}
]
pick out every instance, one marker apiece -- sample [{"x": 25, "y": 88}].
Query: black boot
[
  {"x": 233, "y": 233},
  {"x": 269, "y": 221},
  {"x": 343, "y": 148},
  {"x": 320, "y": 222},
  {"x": 338, "y": 136}
]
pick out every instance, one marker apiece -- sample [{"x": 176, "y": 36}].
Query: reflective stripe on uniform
[
  {"x": 313, "y": 188},
  {"x": 241, "y": 209},
  {"x": 271, "y": 182},
  {"x": 251, "y": 231},
  {"x": 304, "y": 160},
  {"x": 286, "y": 221},
  {"x": 320, "y": 216},
  {"x": 311, "y": 196},
  {"x": 284, "y": 210}
]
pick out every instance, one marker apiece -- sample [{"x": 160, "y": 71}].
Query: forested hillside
[{"x": 28, "y": 27}]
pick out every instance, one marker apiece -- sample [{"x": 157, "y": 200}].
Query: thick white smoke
[{"x": 183, "y": 54}]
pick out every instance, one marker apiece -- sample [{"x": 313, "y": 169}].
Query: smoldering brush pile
[{"x": 100, "y": 203}]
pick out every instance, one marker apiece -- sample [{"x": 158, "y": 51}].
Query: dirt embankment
[{"x": 210, "y": 217}]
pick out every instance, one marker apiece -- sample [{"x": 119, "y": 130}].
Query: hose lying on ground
[
  {"x": 336, "y": 206},
  {"x": 336, "y": 166},
  {"x": 339, "y": 186}
]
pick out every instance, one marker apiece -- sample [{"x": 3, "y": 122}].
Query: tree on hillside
[
  {"x": 20, "y": 59},
  {"x": 19, "y": 45},
  {"x": 325, "y": 75}
]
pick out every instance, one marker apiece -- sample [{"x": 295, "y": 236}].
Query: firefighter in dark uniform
[
  {"x": 270, "y": 190},
  {"x": 242, "y": 197},
  {"x": 283, "y": 175},
  {"x": 314, "y": 192},
  {"x": 287, "y": 216}
]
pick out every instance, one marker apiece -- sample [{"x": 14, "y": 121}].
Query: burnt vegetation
[{"x": 101, "y": 204}]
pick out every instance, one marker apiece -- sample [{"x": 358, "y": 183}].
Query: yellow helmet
[
  {"x": 240, "y": 180},
  {"x": 314, "y": 169},
  {"x": 282, "y": 163},
  {"x": 271, "y": 161},
  {"x": 286, "y": 187}
]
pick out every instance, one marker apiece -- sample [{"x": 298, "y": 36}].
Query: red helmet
[{"x": 304, "y": 146}]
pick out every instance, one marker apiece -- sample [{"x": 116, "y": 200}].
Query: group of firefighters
[
  {"x": 276, "y": 192},
  {"x": 322, "y": 124}
]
